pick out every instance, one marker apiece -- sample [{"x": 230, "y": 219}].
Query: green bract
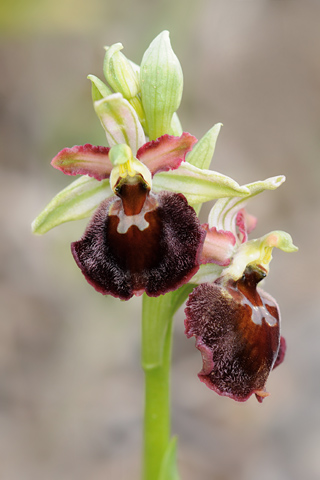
[
  {"x": 161, "y": 81},
  {"x": 203, "y": 151}
]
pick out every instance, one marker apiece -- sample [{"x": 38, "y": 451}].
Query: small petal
[
  {"x": 120, "y": 121},
  {"x": 218, "y": 246},
  {"x": 198, "y": 185},
  {"x": 161, "y": 81},
  {"x": 245, "y": 223},
  {"x": 166, "y": 153},
  {"x": 237, "y": 330},
  {"x": 84, "y": 160},
  {"x": 147, "y": 243},
  {"x": 77, "y": 201}
]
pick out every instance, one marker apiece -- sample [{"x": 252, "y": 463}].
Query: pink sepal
[
  {"x": 166, "y": 152},
  {"x": 218, "y": 246},
  {"x": 84, "y": 160}
]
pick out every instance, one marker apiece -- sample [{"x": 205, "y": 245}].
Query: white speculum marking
[
  {"x": 126, "y": 221},
  {"x": 260, "y": 313}
]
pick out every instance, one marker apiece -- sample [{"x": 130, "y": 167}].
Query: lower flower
[{"x": 237, "y": 330}]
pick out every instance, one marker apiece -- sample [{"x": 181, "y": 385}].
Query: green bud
[
  {"x": 161, "y": 85},
  {"x": 98, "y": 89},
  {"x": 119, "y": 72}
]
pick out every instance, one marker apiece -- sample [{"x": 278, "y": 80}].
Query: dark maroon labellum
[
  {"x": 140, "y": 242},
  {"x": 237, "y": 330}
]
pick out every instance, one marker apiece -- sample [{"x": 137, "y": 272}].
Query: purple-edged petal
[
  {"x": 245, "y": 223},
  {"x": 166, "y": 152},
  {"x": 218, "y": 246},
  {"x": 84, "y": 160},
  {"x": 140, "y": 242},
  {"x": 237, "y": 330}
]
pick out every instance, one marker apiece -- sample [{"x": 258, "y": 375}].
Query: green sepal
[
  {"x": 78, "y": 200},
  {"x": 99, "y": 89},
  {"x": 169, "y": 469},
  {"x": 198, "y": 186},
  {"x": 161, "y": 82},
  {"x": 202, "y": 153}
]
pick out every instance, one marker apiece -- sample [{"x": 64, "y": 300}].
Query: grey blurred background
[{"x": 71, "y": 388}]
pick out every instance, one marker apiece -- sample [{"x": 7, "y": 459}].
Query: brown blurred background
[{"x": 71, "y": 388}]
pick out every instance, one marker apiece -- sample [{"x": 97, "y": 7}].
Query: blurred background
[{"x": 71, "y": 388}]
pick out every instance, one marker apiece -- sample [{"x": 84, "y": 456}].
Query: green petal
[
  {"x": 203, "y": 151},
  {"x": 198, "y": 185},
  {"x": 120, "y": 122},
  {"x": 223, "y": 213},
  {"x": 161, "y": 82},
  {"x": 75, "y": 202}
]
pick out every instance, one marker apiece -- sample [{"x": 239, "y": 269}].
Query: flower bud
[
  {"x": 161, "y": 85},
  {"x": 119, "y": 72}
]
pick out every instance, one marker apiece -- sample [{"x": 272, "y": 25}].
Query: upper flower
[{"x": 137, "y": 240}]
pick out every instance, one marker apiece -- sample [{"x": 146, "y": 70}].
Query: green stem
[{"x": 157, "y": 322}]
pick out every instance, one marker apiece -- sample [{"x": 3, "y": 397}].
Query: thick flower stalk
[{"x": 143, "y": 190}]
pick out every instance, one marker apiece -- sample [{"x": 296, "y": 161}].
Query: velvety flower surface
[
  {"x": 137, "y": 240},
  {"x": 237, "y": 330},
  {"x": 156, "y": 248}
]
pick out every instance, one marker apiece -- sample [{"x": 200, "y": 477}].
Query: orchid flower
[{"x": 236, "y": 324}]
